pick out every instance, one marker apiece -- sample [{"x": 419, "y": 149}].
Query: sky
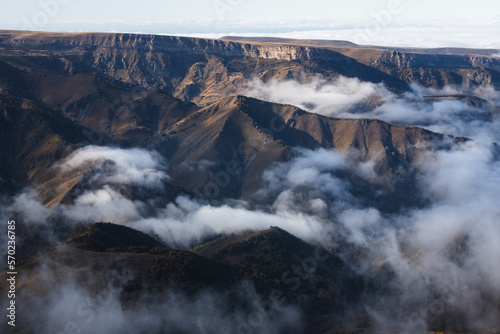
[{"x": 388, "y": 22}]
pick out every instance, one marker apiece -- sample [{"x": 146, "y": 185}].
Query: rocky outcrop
[
  {"x": 170, "y": 44},
  {"x": 436, "y": 61}
]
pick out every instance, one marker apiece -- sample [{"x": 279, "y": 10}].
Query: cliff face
[
  {"x": 428, "y": 67},
  {"x": 170, "y": 44},
  {"x": 205, "y": 70},
  {"x": 226, "y": 48},
  {"x": 436, "y": 61},
  {"x": 196, "y": 70},
  {"x": 78, "y": 42},
  {"x": 435, "y": 70}
]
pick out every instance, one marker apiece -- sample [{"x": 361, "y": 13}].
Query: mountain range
[{"x": 185, "y": 99}]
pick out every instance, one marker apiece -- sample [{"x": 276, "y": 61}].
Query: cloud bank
[{"x": 351, "y": 98}]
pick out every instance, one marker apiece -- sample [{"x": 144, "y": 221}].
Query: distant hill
[{"x": 350, "y": 45}]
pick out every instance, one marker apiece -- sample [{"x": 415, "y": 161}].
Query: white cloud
[
  {"x": 182, "y": 228},
  {"x": 351, "y": 98},
  {"x": 133, "y": 166},
  {"x": 423, "y": 35},
  {"x": 327, "y": 98},
  {"x": 29, "y": 208},
  {"x": 104, "y": 204}
]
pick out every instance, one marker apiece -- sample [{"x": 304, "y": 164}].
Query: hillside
[
  {"x": 89, "y": 107},
  {"x": 151, "y": 271}
]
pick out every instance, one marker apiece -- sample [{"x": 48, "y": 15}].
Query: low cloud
[
  {"x": 128, "y": 167},
  {"x": 183, "y": 228},
  {"x": 351, "y": 98},
  {"x": 28, "y": 208},
  {"x": 443, "y": 254},
  {"x": 319, "y": 95},
  {"x": 104, "y": 204}
]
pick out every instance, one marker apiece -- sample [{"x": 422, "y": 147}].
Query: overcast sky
[{"x": 402, "y": 22}]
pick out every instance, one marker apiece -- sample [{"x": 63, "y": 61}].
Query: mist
[
  {"x": 68, "y": 306},
  {"x": 444, "y": 256},
  {"x": 451, "y": 245},
  {"x": 351, "y": 98},
  {"x": 441, "y": 259}
]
